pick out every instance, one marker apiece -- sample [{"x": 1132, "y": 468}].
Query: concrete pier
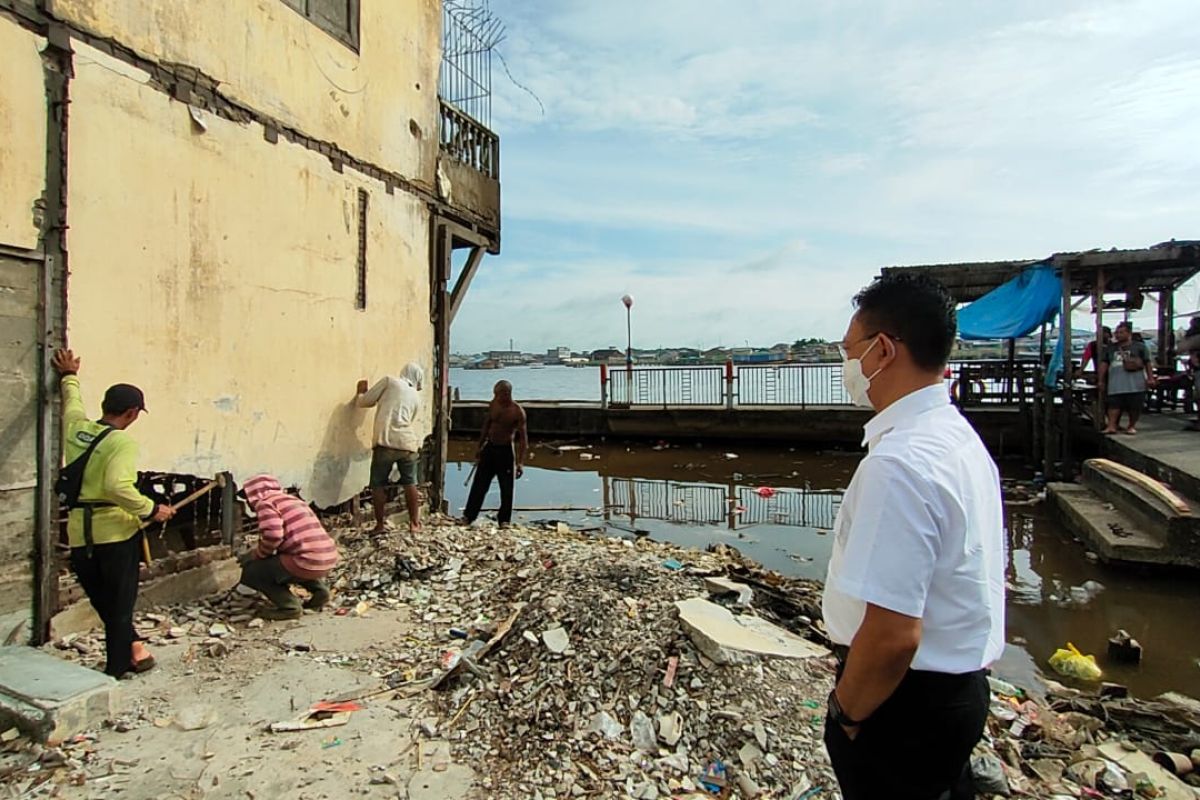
[{"x": 1006, "y": 430}]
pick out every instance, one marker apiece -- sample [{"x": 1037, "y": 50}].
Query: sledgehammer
[{"x": 191, "y": 498}]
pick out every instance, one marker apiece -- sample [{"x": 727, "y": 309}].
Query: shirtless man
[{"x": 505, "y": 424}]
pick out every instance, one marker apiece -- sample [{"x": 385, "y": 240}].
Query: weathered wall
[
  {"x": 218, "y": 272},
  {"x": 22, "y": 176},
  {"x": 22, "y": 134},
  {"x": 380, "y": 104},
  {"x": 18, "y": 433}
]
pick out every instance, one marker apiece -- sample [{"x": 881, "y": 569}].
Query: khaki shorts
[{"x": 382, "y": 460}]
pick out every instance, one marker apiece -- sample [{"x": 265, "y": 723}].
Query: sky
[{"x": 742, "y": 167}]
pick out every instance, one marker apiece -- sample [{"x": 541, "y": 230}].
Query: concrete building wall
[
  {"x": 219, "y": 272},
  {"x": 22, "y": 135},
  {"x": 22, "y": 176},
  {"x": 379, "y": 103}
]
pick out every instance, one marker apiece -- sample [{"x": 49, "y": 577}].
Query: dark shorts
[
  {"x": 382, "y": 459},
  {"x": 1131, "y": 402}
]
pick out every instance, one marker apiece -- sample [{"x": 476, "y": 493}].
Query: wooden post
[
  {"x": 1012, "y": 368},
  {"x": 1067, "y": 376},
  {"x": 440, "y": 248},
  {"x": 1047, "y": 395},
  {"x": 1098, "y": 304},
  {"x": 1166, "y": 329},
  {"x": 228, "y": 508}
]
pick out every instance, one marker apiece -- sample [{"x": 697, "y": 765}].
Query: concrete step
[
  {"x": 50, "y": 699},
  {"x": 1142, "y": 505},
  {"x": 1113, "y": 534}
]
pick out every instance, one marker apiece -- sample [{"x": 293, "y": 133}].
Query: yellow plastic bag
[{"x": 1074, "y": 664}]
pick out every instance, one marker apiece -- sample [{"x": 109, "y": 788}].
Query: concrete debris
[
  {"x": 556, "y": 640},
  {"x": 728, "y": 639},
  {"x": 587, "y": 670}
]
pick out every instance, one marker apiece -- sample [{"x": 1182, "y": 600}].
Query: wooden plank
[
  {"x": 1156, "y": 488},
  {"x": 464, "y": 280}
]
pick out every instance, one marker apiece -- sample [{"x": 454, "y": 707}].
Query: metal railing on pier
[
  {"x": 986, "y": 383},
  {"x": 730, "y": 505}
]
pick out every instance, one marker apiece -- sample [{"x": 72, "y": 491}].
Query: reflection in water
[{"x": 697, "y": 496}]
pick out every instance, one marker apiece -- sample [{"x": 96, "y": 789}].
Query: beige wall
[
  {"x": 22, "y": 134},
  {"x": 218, "y": 272},
  {"x": 269, "y": 57}
]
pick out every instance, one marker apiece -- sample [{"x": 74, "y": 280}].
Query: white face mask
[{"x": 855, "y": 382}]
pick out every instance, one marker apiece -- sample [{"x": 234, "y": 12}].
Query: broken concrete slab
[
  {"x": 728, "y": 639},
  {"x": 722, "y": 586},
  {"x": 50, "y": 699}
]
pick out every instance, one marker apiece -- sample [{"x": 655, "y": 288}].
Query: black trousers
[
  {"x": 109, "y": 577},
  {"x": 917, "y": 745},
  {"x": 495, "y": 461}
]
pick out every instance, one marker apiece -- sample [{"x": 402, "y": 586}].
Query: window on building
[
  {"x": 338, "y": 18},
  {"x": 360, "y": 298}
]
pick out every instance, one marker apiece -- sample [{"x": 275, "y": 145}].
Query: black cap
[{"x": 121, "y": 397}]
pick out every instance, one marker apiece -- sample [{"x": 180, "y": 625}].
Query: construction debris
[{"x": 564, "y": 665}]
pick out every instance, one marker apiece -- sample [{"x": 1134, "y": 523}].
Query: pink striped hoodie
[{"x": 289, "y": 528}]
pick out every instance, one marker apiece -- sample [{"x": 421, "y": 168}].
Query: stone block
[{"x": 50, "y": 699}]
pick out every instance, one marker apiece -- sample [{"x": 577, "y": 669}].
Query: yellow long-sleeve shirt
[{"x": 110, "y": 476}]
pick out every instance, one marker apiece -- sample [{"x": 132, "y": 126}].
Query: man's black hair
[{"x": 914, "y": 309}]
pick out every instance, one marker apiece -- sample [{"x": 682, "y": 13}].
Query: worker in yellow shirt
[{"x": 104, "y": 524}]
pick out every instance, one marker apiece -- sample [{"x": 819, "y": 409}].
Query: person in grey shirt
[{"x": 1125, "y": 374}]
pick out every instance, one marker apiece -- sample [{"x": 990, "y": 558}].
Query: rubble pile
[
  {"x": 559, "y": 664},
  {"x": 595, "y": 688}
]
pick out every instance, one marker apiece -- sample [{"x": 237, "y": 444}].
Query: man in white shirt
[
  {"x": 396, "y": 440},
  {"x": 914, "y": 598}
]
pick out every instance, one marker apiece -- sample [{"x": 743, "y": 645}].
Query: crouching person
[{"x": 293, "y": 548}]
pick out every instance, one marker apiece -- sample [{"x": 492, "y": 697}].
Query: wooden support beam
[
  {"x": 441, "y": 246},
  {"x": 464, "y": 280}
]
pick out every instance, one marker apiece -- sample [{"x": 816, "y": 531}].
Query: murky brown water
[{"x": 696, "y": 495}]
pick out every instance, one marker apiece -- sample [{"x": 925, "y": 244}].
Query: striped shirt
[{"x": 289, "y": 528}]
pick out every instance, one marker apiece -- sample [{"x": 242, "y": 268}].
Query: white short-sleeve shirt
[{"x": 921, "y": 532}]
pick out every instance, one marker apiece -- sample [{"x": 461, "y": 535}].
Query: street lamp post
[{"x": 628, "y": 301}]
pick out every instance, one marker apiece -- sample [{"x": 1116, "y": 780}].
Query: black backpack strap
[{"x": 89, "y": 506}]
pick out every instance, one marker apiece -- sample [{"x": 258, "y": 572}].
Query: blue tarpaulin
[{"x": 1014, "y": 309}]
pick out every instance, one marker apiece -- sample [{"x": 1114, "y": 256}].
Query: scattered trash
[
  {"x": 673, "y": 564},
  {"x": 1124, "y": 648},
  {"x": 670, "y": 728},
  {"x": 332, "y": 742},
  {"x": 988, "y": 773},
  {"x": 713, "y": 779},
  {"x": 730, "y": 456},
  {"x": 320, "y": 715},
  {"x": 1074, "y": 664}
]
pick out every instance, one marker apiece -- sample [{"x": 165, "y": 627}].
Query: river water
[
  {"x": 697, "y": 495},
  {"x": 544, "y": 383}
]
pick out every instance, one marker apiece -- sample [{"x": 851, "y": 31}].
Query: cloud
[{"x": 742, "y": 168}]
